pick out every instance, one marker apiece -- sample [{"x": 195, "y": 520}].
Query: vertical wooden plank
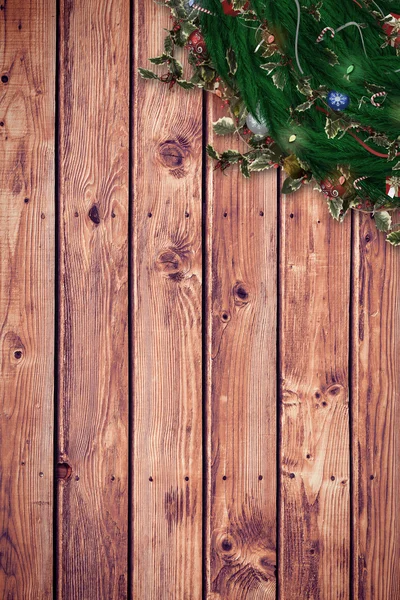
[
  {"x": 314, "y": 355},
  {"x": 93, "y": 358},
  {"x": 241, "y": 380},
  {"x": 27, "y": 93},
  {"x": 376, "y": 415},
  {"x": 167, "y": 369}
]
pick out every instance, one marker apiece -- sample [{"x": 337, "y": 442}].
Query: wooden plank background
[{"x": 199, "y": 378}]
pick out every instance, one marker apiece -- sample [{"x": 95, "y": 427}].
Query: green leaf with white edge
[
  {"x": 231, "y": 60},
  {"x": 305, "y": 106},
  {"x": 212, "y": 152},
  {"x": 383, "y": 220},
  {"x": 335, "y": 205},
  {"x": 146, "y": 74},
  {"x": 291, "y": 185},
  {"x": 261, "y": 163},
  {"x": 394, "y": 238},
  {"x": 332, "y": 57},
  {"x": 244, "y": 167},
  {"x": 332, "y": 127},
  {"x": 231, "y": 156},
  {"x": 186, "y": 85},
  {"x": 160, "y": 60},
  {"x": 187, "y": 28},
  {"x": 280, "y": 78},
  {"x": 396, "y": 167},
  {"x": 269, "y": 67},
  {"x": 224, "y": 126},
  {"x": 176, "y": 68},
  {"x": 168, "y": 45}
]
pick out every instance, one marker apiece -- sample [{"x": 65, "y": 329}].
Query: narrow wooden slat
[
  {"x": 315, "y": 449},
  {"x": 376, "y": 414},
  {"x": 241, "y": 380},
  {"x": 167, "y": 366},
  {"x": 93, "y": 353},
  {"x": 27, "y": 104}
]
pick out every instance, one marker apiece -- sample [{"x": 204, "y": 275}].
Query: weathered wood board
[
  {"x": 93, "y": 299},
  {"x": 375, "y": 414},
  {"x": 27, "y": 267},
  {"x": 241, "y": 303},
  {"x": 166, "y": 303},
  {"x": 314, "y": 525}
]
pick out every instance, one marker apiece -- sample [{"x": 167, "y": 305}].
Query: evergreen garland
[{"x": 317, "y": 81}]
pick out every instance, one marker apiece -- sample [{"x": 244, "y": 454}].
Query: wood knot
[
  {"x": 240, "y": 294},
  {"x": 173, "y": 155},
  {"x": 173, "y": 263},
  {"x": 94, "y": 214},
  {"x": 226, "y": 546}
]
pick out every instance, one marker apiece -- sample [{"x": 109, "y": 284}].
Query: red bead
[
  {"x": 196, "y": 42},
  {"x": 332, "y": 190},
  {"x": 229, "y": 10}
]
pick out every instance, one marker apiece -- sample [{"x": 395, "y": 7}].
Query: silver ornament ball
[{"x": 257, "y": 125}]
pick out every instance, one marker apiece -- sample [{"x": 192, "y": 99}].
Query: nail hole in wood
[
  {"x": 23, "y": 464},
  {"x": 187, "y": 215},
  {"x": 186, "y": 478},
  {"x": 261, "y": 213},
  {"x": 372, "y": 477},
  {"x": 324, "y": 403},
  {"x": 317, "y": 395},
  {"x": 1, "y": 123},
  {"x": 150, "y": 479},
  {"x": 224, "y": 477},
  {"x": 332, "y": 478},
  {"x": 291, "y": 215},
  {"x": 308, "y": 456},
  {"x": 42, "y": 216},
  {"x": 292, "y": 475},
  {"x": 76, "y": 214},
  {"x": 113, "y": 215},
  {"x": 77, "y": 478},
  {"x": 225, "y": 317},
  {"x": 26, "y": 200},
  {"x": 260, "y": 478},
  {"x": 4, "y": 78},
  {"x": 41, "y": 474},
  {"x": 112, "y": 478},
  {"x": 149, "y": 215},
  {"x": 18, "y": 354},
  {"x": 225, "y": 214}
]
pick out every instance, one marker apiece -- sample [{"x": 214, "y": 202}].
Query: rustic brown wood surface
[
  {"x": 27, "y": 259},
  {"x": 241, "y": 380},
  {"x": 376, "y": 416},
  {"x": 167, "y": 329},
  {"x": 93, "y": 299},
  {"x": 221, "y": 410},
  {"x": 314, "y": 526}
]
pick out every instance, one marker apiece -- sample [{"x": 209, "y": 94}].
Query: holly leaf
[
  {"x": 332, "y": 57},
  {"x": 212, "y": 152},
  {"x": 332, "y": 127},
  {"x": 244, "y": 167},
  {"x": 168, "y": 45},
  {"x": 335, "y": 206},
  {"x": 261, "y": 163},
  {"x": 280, "y": 78},
  {"x": 305, "y": 106},
  {"x": 160, "y": 60},
  {"x": 146, "y": 74},
  {"x": 231, "y": 60},
  {"x": 269, "y": 67},
  {"x": 396, "y": 167},
  {"x": 224, "y": 126},
  {"x": 291, "y": 185},
  {"x": 394, "y": 238},
  {"x": 186, "y": 85},
  {"x": 383, "y": 220},
  {"x": 231, "y": 156}
]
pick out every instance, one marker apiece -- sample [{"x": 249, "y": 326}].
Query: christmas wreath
[{"x": 312, "y": 86}]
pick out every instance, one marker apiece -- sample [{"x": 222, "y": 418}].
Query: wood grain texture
[
  {"x": 167, "y": 329},
  {"x": 93, "y": 351},
  {"x": 314, "y": 527},
  {"x": 376, "y": 414},
  {"x": 27, "y": 105},
  {"x": 241, "y": 380}
]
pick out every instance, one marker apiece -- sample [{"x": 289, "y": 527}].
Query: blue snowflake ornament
[{"x": 338, "y": 101}]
